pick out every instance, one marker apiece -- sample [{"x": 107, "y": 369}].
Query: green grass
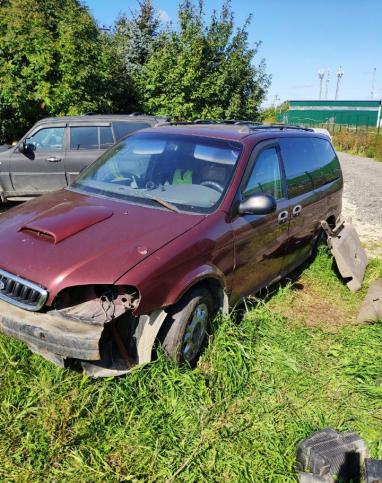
[{"x": 261, "y": 386}]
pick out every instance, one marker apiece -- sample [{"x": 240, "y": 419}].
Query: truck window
[
  {"x": 105, "y": 137},
  {"x": 122, "y": 129},
  {"x": 84, "y": 138},
  {"x": 48, "y": 139}
]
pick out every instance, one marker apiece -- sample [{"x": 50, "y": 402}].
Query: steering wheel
[{"x": 213, "y": 184}]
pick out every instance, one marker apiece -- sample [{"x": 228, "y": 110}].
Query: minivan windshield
[{"x": 181, "y": 172}]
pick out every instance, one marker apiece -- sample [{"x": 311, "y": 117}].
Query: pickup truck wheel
[{"x": 186, "y": 326}]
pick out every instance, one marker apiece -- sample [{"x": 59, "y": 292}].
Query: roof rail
[
  {"x": 281, "y": 127},
  {"x": 246, "y": 125},
  {"x": 235, "y": 122}
]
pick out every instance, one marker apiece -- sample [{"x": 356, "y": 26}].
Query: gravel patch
[{"x": 362, "y": 199}]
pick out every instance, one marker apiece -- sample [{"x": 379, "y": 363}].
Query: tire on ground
[{"x": 180, "y": 321}]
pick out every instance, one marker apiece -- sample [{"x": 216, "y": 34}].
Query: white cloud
[{"x": 164, "y": 16}]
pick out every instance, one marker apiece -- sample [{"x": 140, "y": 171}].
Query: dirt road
[{"x": 363, "y": 199}]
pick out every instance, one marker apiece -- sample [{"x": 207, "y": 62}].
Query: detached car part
[
  {"x": 371, "y": 309},
  {"x": 345, "y": 246},
  {"x": 329, "y": 455},
  {"x": 373, "y": 471}
]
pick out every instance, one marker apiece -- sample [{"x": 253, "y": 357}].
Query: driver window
[
  {"x": 49, "y": 139},
  {"x": 265, "y": 176}
]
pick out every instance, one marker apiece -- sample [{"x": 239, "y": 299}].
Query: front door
[
  {"x": 260, "y": 240},
  {"x": 43, "y": 168}
]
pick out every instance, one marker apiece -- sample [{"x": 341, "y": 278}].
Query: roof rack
[
  {"x": 249, "y": 125},
  {"x": 235, "y": 122},
  {"x": 281, "y": 127}
]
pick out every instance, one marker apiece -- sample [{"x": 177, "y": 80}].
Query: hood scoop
[{"x": 64, "y": 220}]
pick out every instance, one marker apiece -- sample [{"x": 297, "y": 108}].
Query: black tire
[{"x": 183, "y": 321}]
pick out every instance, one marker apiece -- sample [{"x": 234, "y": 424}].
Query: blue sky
[{"x": 299, "y": 37}]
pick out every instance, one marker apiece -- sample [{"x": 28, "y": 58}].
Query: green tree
[
  {"x": 52, "y": 62},
  {"x": 204, "y": 70},
  {"x": 131, "y": 45},
  {"x": 274, "y": 113}
]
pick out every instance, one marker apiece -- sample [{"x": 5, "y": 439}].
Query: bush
[{"x": 363, "y": 143}]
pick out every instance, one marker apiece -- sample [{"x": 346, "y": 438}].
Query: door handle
[
  {"x": 296, "y": 210},
  {"x": 282, "y": 217},
  {"x": 53, "y": 159}
]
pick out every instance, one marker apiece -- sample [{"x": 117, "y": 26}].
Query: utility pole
[
  {"x": 321, "y": 75},
  {"x": 373, "y": 83},
  {"x": 340, "y": 74},
  {"x": 327, "y": 83},
  {"x": 275, "y": 100}
]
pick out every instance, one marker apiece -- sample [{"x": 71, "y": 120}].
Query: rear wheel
[{"x": 184, "y": 333}]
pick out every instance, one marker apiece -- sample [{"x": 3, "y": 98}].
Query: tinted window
[
  {"x": 299, "y": 162},
  {"x": 327, "y": 164},
  {"x": 265, "y": 177},
  {"x": 105, "y": 137},
  {"x": 50, "y": 139},
  {"x": 83, "y": 138},
  {"x": 309, "y": 163},
  {"x": 122, "y": 129}
]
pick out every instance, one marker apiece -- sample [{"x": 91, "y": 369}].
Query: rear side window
[
  {"x": 299, "y": 163},
  {"x": 265, "y": 176},
  {"x": 83, "y": 138},
  {"x": 309, "y": 163},
  {"x": 122, "y": 129},
  {"x": 105, "y": 137},
  {"x": 327, "y": 164}
]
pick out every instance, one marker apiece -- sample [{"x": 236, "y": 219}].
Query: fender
[
  {"x": 155, "y": 296},
  {"x": 204, "y": 252},
  {"x": 204, "y": 272}
]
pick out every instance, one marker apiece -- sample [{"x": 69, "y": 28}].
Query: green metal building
[{"x": 353, "y": 113}]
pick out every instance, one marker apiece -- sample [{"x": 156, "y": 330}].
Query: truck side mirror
[{"x": 27, "y": 148}]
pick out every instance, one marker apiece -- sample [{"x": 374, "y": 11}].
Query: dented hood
[{"x": 66, "y": 238}]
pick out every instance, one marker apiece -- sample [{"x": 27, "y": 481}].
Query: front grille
[{"x": 20, "y": 292}]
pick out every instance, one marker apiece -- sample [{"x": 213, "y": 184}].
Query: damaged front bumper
[
  {"x": 51, "y": 333},
  {"x": 93, "y": 336}
]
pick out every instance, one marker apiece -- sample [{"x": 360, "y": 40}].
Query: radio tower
[
  {"x": 340, "y": 74},
  {"x": 321, "y": 75},
  {"x": 373, "y": 83},
  {"x": 327, "y": 83}
]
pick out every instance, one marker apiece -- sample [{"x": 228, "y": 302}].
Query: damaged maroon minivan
[{"x": 163, "y": 231}]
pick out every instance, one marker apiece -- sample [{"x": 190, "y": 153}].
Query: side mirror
[
  {"x": 259, "y": 204},
  {"x": 27, "y": 148}
]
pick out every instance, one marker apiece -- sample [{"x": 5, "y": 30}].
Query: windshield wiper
[{"x": 164, "y": 203}]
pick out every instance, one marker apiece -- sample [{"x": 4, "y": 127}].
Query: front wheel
[{"x": 184, "y": 332}]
